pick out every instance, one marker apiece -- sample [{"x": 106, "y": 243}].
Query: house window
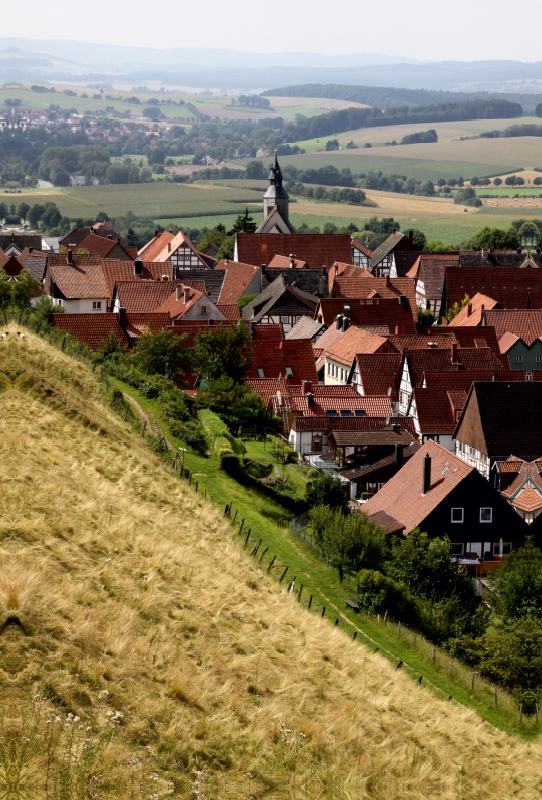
[
  {"x": 474, "y": 548},
  {"x": 97, "y": 304},
  {"x": 539, "y": 359},
  {"x": 458, "y": 514},
  {"x": 506, "y": 548},
  {"x": 456, "y": 548},
  {"x": 519, "y": 359},
  {"x": 261, "y": 372},
  {"x": 528, "y": 376},
  {"x": 331, "y": 412},
  {"x": 328, "y": 368},
  {"x": 204, "y": 309},
  {"x": 346, "y": 413},
  {"x": 486, "y": 514},
  {"x": 284, "y": 320},
  {"x": 289, "y": 372},
  {"x": 360, "y": 412}
]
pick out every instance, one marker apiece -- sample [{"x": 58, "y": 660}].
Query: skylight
[
  {"x": 261, "y": 372},
  {"x": 289, "y": 371},
  {"x": 360, "y": 412},
  {"x": 331, "y": 412}
]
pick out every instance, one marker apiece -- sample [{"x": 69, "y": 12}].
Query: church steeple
[{"x": 276, "y": 196}]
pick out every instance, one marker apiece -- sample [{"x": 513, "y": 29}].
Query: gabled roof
[
  {"x": 92, "y": 329},
  {"x": 305, "y": 328},
  {"x": 394, "y": 240},
  {"x": 344, "y": 404},
  {"x": 147, "y": 296},
  {"x": 509, "y": 287},
  {"x": 402, "y": 495},
  {"x": 379, "y": 372},
  {"x": 237, "y": 277},
  {"x": 423, "y": 341},
  {"x": 274, "y": 218},
  {"x": 150, "y": 250},
  {"x": 362, "y": 248},
  {"x": 138, "y": 323},
  {"x": 366, "y": 285},
  {"x": 368, "y": 313},
  {"x": 274, "y": 359},
  {"x": 473, "y": 313},
  {"x": 508, "y": 419},
  {"x": 316, "y": 250},
  {"x": 269, "y": 333},
  {"x": 212, "y": 278},
  {"x": 325, "y": 424},
  {"x": 466, "y": 335},
  {"x": 496, "y": 258},
  {"x": 171, "y": 246},
  {"x": 381, "y": 518},
  {"x": 116, "y": 270},
  {"x": 271, "y": 295},
  {"x": 381, "y": 438},
  {"x": 103, "y": 245},
  {"x": 525, "y": 324},
  {"x": 428, "y": 259},
  {"x": 230, "y": 311},
  {"x": 287, "y": 262},
  {"x": 468, "y": 358},
  {"x": 84, "y": 278},
  {"x": 13, "y": 266},
  {"x": 176, "y": 306},
  {"x": 354, "y": 340}
]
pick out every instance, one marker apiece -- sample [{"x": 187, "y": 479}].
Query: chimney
[
  {"x": 178, "y": 291},
  {"x": 69, "y": 259},
  {"x": 410, "y": 235},
  {"x": 138, "y": 266},
  {"x": 310, "y": 399},
  {"x": 454, "y": 353},
  {"x": 346, "y": 324},
  {"x": 485, "y": 254},
  {"x": 388, "y": 282},
  {"x": 264, "y": 270},
  {"x": 338, "y": 322},
  {"x": 110, "y": 237},
  {"x": 306, "y": 386},
  {"x": 30, "y": 250},
  {"x": 394, "y": 230},
  {"x": 399, "y": 456},
  {"x": 186, "y": 290},
  {"x": 292, "y": 262},
  {"x": 122, "y": 316},
  {"x": 426, "y": 473},
  {"x": 169, "y": 247},
  {"x": 399, "y": 330},
  {"x": 469, "y": 309},
  {"x": 155, "y": 234},
  {"x": 92, "y": 230}
]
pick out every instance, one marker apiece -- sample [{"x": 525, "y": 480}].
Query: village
[{"x": 429, "y": 426}]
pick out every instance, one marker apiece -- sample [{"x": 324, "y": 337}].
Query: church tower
[{"x": 276, "y": 196}]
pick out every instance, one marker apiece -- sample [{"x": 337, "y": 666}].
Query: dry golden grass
[
  {"x": 392, "y": 204},
  {"x": 125, "y": 592}
]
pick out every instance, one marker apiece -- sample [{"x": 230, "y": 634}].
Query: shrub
[
  {"x": 220, "y": 439},
  {"x": 189, "y": 432}
]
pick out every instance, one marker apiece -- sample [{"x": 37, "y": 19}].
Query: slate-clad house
[
  {"x": 280, "y": 303},
  {"x": 500, "y": 419},
  {"x": 444, "y": 496}
]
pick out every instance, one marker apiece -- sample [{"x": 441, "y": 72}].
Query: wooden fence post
[
  {"x": 247, "y": 537},
  {"x": 144, "y": 427},
  {"x": 310, "y": 603},
  {"x": 336, "y": 621},
  {"x": 323, "y": 612},
  {"x": 271, "y": 564},
  {"x": 283, "y": 575},
  {"x": 255, "y": 551},
  {"x": 241, "y": 528},
  {"x": 300, "y": 592},
  {"x": 355, "y": 636}
]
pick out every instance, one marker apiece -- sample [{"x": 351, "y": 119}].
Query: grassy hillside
[{"x": 127, "y": 601}]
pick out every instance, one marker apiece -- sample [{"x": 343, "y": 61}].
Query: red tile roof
[
  {"x": 155, "y": 246},
  {"x": 355, "y": 340},
  {"x": 272, "y": 332},
  {"x": 286, "y": 262},
  {"x": 372, "y": 406},
  {"x": 325, "y": 424},
  {"x": 525, "y": 324},
  {"x": 469, "y": 359},
  {"x": 402, "y": 495},
  {"x": 13, "y": 266},
  {"x": 316, "y": 250},
  {"x": 173, "y": 245},
  {"x": 379, "y": 372},
  {"x": 102, "y": 246},
  {"x": 366, "y": 285},
  {"x": 473, "y": 312},
  {"x": 466, "y": 336},
  {"x": 145, "y": 296},
  {"x": 82, "y": 279},
  {"x": 273, "y": 358},
  {"x": 92, "y": 329},
  {"x": 136, "y": 324},
  {"x": 367, "y": 313},
  {"x": 176, "y": 306},
  {"x": 510, "y": 287},
  {"x": 238, "y": 277},
  {"x": 362, "y": 248},
  {"x": 116, "y": 270},
  {"x": 230, "y": 311}
]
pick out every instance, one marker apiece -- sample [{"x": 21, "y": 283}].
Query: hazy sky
[{"x": 424, "y": 29}]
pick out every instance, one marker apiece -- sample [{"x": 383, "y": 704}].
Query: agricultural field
[{"x": 446, "y": 131}]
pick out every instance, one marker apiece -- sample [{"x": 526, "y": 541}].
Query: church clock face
[{"x": 271, "y": 203}]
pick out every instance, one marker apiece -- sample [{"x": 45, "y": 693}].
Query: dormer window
[
  {"x": 360, "y": 412},
  {"x": 331, "y": 412},
  {"x": 261, "y": 372},
  {"x": 346, "y": 412}
]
